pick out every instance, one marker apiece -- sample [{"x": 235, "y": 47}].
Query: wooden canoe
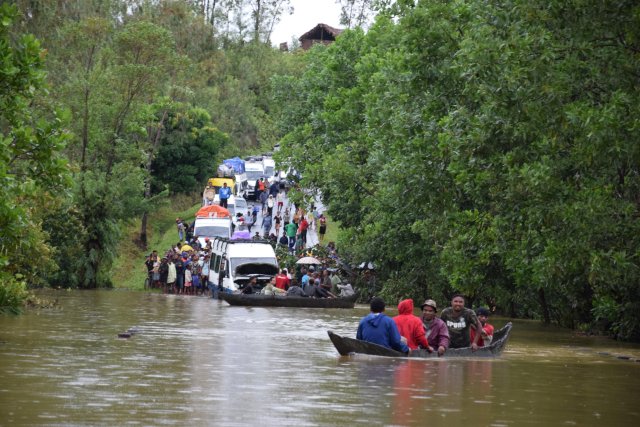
[
  {"x": 346, "y": 346},
  {"x": 258, "y": 300}
]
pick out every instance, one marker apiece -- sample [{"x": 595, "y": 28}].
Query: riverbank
[{"x": 129, "y": 271}]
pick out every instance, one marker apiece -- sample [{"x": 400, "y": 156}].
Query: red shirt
[
  {"x": 304, "y": 224},
  {"x": 282, "y": 281},
  {"x": 487, "y": 328}
]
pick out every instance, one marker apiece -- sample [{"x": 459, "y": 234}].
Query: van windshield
[
  {"x": 235, "y": 262},
  {"x": 253, "y": 175},
  {"x": 211, "y": 231}
]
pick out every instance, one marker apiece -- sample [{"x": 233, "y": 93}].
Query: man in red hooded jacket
[{"x": 410, "y": 326}]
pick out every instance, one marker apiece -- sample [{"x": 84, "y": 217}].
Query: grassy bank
[
  {"x": 333, "y": 230},
  {"x": 129, "y": 270}
]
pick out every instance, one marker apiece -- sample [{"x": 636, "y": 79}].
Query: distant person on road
[
  {"x": 224, "y": 194},
  {"x": 487, "y": 329},
  {"x": 291, "y": 229},
  {"x": 260, "y": 188},
  {"x": 410, "y": 326},
  {"x": 378, "y": 328},
  {"x": 459, "y": 321},
  {"x": 270, "y": 204},
  {"x": 322, "y": 220},
  {"x": 302, "y": 230},
  {"x": 274, "y": 189},
  {"x": 249, "y": 220},
  {"x": 266, "y": 225},
  {"x": 284, "y": 241},
  {"x": 280, "y": 201},
  {"x": 263, "y": 202},
  {"x": 435, "y": 328}
]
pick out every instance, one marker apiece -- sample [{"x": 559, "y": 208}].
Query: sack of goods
[
  {"x": 209, "y": 193},
  {"x": 225, "y": 171}
]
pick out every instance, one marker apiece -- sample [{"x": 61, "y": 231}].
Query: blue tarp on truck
[{"x": 236, "y": 163}]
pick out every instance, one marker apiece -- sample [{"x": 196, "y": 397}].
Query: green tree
[
  {"x": 31, "y": 167},
  {"x": 188, "y": 151},
  {"x": 129, "y": 66},
  {"x": 492, "y": 151}
]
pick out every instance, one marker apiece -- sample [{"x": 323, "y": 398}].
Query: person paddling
[{"x": 436, "y": 330}]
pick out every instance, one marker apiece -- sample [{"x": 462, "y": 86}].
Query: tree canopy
[
  {"x": 488, "y": 148},
  {"x": 483, "y": 147}
]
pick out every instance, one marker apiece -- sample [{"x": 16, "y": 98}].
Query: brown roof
[{"x": 316, "y": 32}]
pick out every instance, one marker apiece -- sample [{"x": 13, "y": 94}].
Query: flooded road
[{"x": 200, "y": 362}]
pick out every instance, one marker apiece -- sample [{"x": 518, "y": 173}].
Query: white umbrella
[
  {"x": 367, "y": 266},
  {"x": 308, "y": 260}
]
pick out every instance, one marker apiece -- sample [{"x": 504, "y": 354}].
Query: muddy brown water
[{"x": 199, "y": 362}]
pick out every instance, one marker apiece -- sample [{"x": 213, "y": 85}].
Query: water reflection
[{"x": 201, "y": 362}]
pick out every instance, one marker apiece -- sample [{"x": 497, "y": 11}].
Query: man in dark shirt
[
  {"x": 249, "y": 288},
  {"x": 459, "y": 321}
]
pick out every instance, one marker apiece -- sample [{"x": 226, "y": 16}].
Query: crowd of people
[
  {"x": 286, "y": 225},
  {"x": 457, "y": 327},
  {"x": 306, "y": 282},
  {"x": 184, "y": 268}
]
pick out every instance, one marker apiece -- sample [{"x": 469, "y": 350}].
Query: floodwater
[{"x": 199, "y": 362}]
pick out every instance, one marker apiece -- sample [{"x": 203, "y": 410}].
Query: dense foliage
[
  {"x": 31, "y": 168},
  {"x": 486, "y": 147},
  {"x": 480, "y": 146},
  {"x": 151, "y": 96}
]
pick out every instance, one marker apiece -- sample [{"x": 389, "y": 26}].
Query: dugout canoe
[
  {"x": 259, "y": 300},
  {"x": 346, "y": 346}
]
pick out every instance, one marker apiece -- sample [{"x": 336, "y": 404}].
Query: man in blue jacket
[
  {"x": 378, "y": 328},
  {"x": 224, "y": 193}
]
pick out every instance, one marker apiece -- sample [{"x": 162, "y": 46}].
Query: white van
[
  {"x": 235, "y": 205},
  {"x": 234, "y": 262},
  {"x": 241, "y": 185},
  {"x": 211, "y": 227},
  {"x": 269, "y": 168},
  {"x": 254, "y": 171}
]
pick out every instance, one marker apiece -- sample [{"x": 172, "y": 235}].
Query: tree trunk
[
  {"x": 143, "y": 232},
  {"x": 256, "y": 21},
  {"x": 147, "y": 187},
  {"x": 545, "y": 307}
]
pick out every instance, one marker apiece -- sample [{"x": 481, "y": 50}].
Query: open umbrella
[
  {"x": 308, "y": 260},
  {"x": 367, "y": 266}
]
